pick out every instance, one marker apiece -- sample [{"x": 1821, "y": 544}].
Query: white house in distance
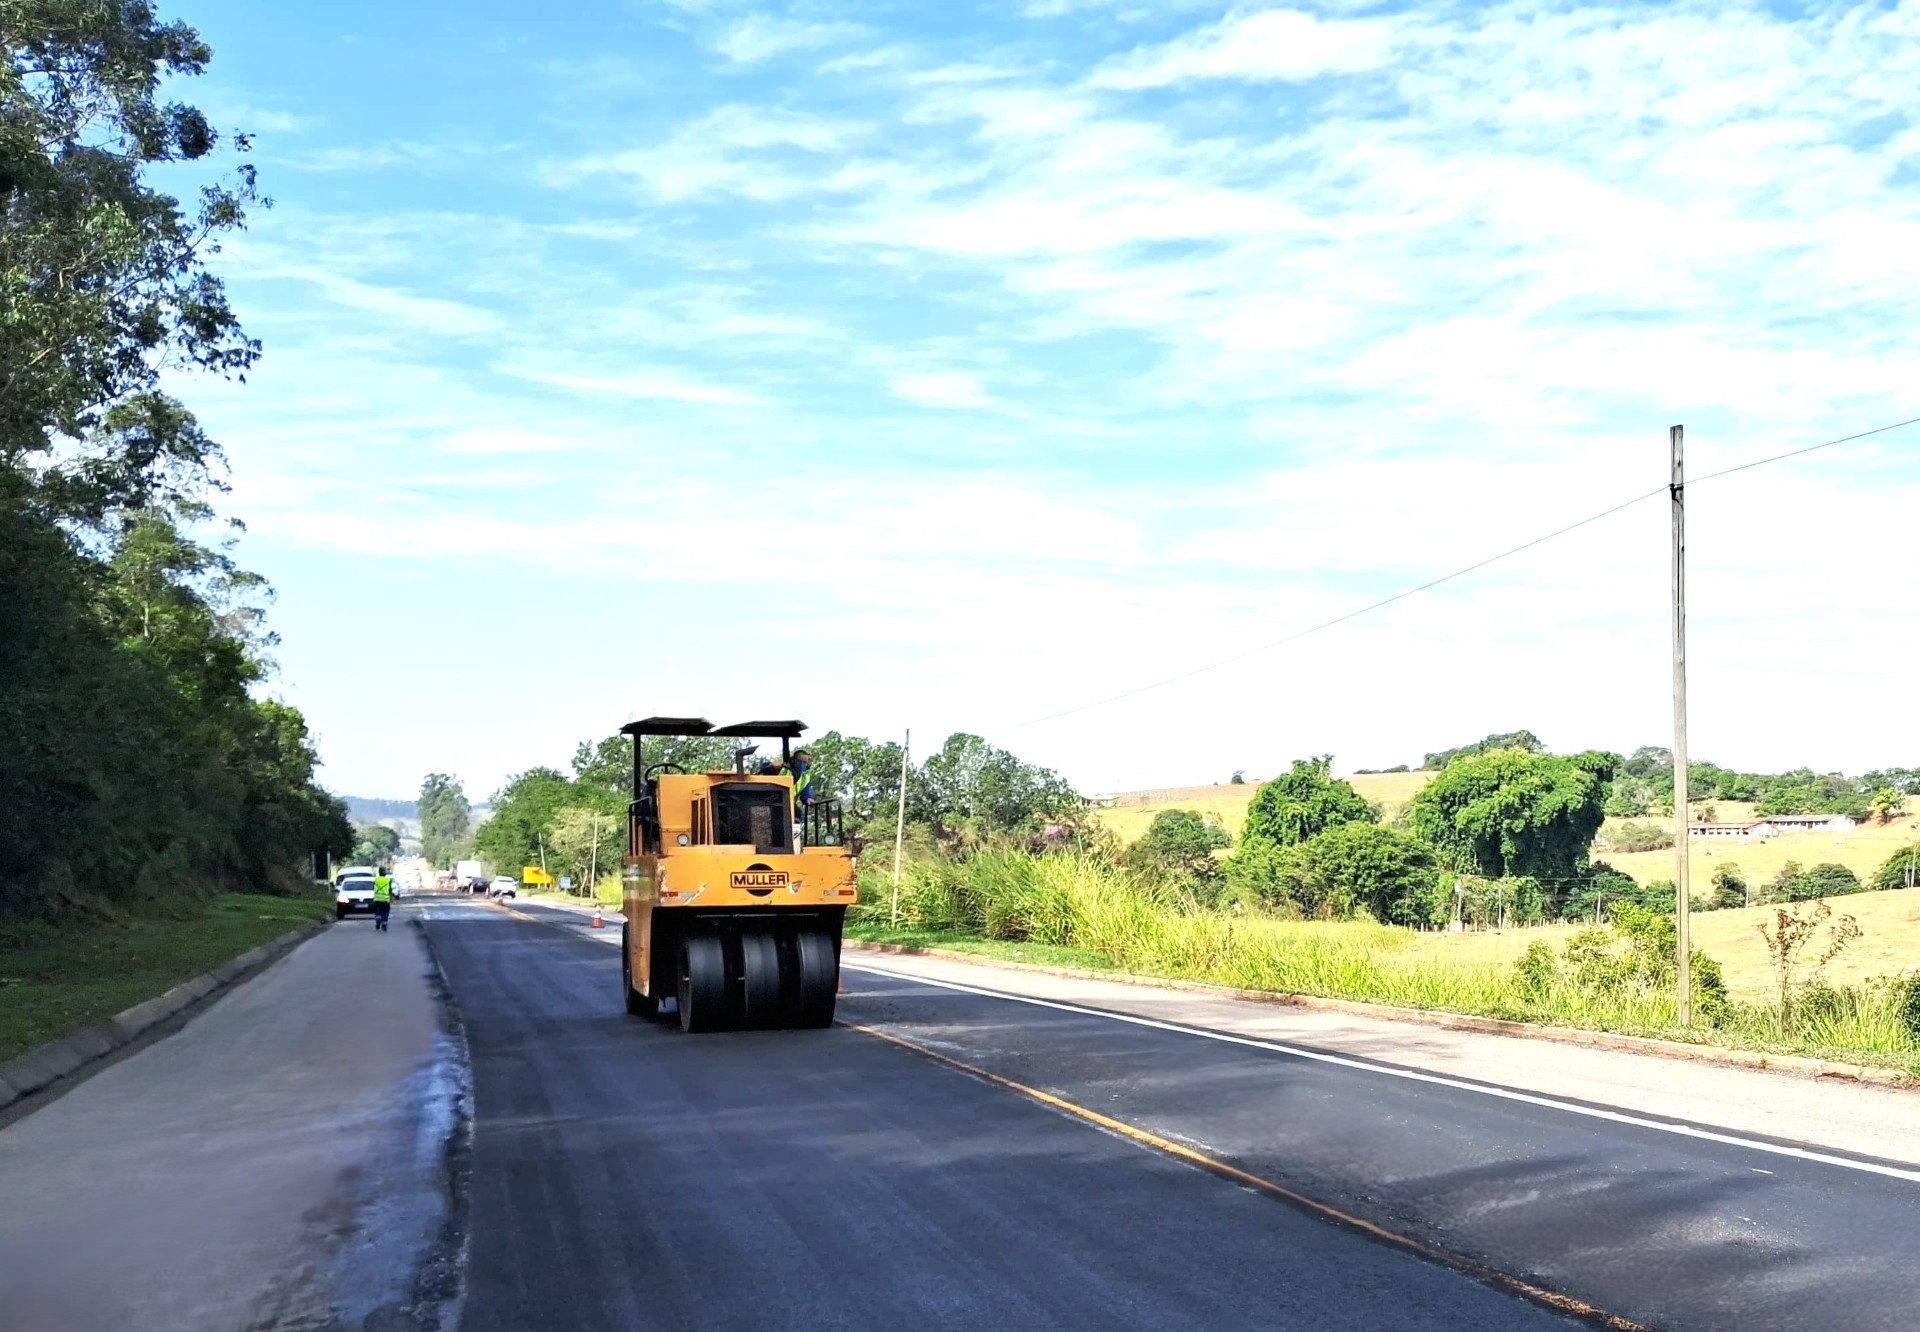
[{"x": 1775, "y": 824}]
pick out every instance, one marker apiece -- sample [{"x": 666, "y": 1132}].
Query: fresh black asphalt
[{"x": 625, "y": 1175}]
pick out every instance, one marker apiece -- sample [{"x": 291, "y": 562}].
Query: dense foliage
[
  {"x": 1302, "y": 803},
  {"x": 1511, "y": 812},
  {"x": 1526, "y": 740},
  {"x": 966, "y": 794},
  {"x": 139, "y": 760}
]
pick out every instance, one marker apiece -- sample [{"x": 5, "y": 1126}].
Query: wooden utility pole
[
  {"x": 593, "y": 861},
  {"x": 1683, "y": 960},
  {"x": 900, "y": 825}
]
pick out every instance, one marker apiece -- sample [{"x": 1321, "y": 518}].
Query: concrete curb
[
  {"x": 1601, "y": 1040},
  {"x": 46, "y": 1065}
]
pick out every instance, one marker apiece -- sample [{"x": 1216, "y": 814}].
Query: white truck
[{"x": 470, "y": 875}]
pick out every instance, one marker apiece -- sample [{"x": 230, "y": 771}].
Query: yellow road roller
[{"x": 734, "y": 898}]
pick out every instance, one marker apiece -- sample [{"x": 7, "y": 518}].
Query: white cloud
[
  {"x": 658, "y": 382},
  {"x": 1272, "y": 319},
  {"x": 432, "y": 314},
  {"x": 940, "y": 388},
  {"x": 503, "y": 441},
  {"x": 733, "y": 150},
  {"x": 1271, "y": 44},
  {"x": 759, "y": 37}
]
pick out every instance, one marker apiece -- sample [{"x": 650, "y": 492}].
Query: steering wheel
[{"x": 657, "y": 768}]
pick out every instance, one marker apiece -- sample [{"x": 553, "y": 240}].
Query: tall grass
[{"x": 1147, "y": 927}]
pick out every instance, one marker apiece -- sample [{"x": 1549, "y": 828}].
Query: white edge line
[{"x": 1411, "y": 1075}]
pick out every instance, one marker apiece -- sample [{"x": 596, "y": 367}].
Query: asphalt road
[{"x": 626, "y": 1175}]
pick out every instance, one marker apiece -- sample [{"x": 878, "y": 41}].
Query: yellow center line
[{"x": 1550, "y": 1298}]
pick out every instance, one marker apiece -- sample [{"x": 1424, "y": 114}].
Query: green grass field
[{"x": 54, "y": 981}]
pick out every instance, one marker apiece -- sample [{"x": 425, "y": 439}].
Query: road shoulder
[{"x": 1848, "y": 1116}]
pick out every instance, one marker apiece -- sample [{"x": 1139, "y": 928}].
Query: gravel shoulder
[{"x": 278, "y": 1163}]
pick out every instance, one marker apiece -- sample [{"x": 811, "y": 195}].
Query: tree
[
  {"x": 1795, "y": 884},
  {"x": 1526, "y": 740},
  {"x": 1180, "y": 843},
  {"x": 1899, "y": 870},
  {"x": 104, "y": 278},
  {"x": 443, "y": 813},
  {"x": 1394, "y": 875},
  {"x": 140, "y": 761},
  {"x": 1302, "y": 803},
  {"x": 863, "y": 776},
  {"x": 375, "y": 844},
  {"x": 1885, "y": 804},
  {"x": 1829, "y": 880},
  {"x": 584, "y": 843},
  {"x": 1601, "y": 886},
  {"x": 603, "y": 772},
  {"x": 976, "y": 792},
  {"x": 1729, "y": 885},
  {"x": 523, "y": 813},
  {"x": 1511, "y": 813},
  {"x": 1239, "y": 777}
]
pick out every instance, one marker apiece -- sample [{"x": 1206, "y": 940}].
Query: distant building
[
  {"x": 1738, "y": 831},
  {"x": 1811, "y": 822},
  {"x": 1773, "y": 825}
]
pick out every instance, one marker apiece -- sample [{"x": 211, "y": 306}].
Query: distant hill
[{"x": 363, "y": 810}]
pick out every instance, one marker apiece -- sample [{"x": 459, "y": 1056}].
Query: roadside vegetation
[
  {"x": 1477, "y": 895},
  {"x": 54, "y": 979},
  {"x": 142, "y": 765}
]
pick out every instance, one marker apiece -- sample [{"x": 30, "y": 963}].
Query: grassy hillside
[
  {"x": 1863, "y": 851},
  {"x": 1130, "y": 818},
  {"x": 1889, "y": 942}
]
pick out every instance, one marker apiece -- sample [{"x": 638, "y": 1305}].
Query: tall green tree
[
  {"x": 139, "y": 758},
  {"x": 522, "y": 819},
  {"x": 375, "y": 844},
  {"x": 1511, "y": 813},
  {"x": 1302, "y": 803},
  {"x": 444, "y": 816},
  {"x": 977, "y": 792},
  {"x": 104, "y": 278}
]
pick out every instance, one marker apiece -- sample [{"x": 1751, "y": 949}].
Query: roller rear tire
[
  {"x": 703, "y": 984},
  {"x": 817, "y": 980},
  {"x": 760, "y": 1003}
]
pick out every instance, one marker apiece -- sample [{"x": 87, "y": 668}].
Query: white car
[
  {"x": 503, "y": 887},
  {"x": 353, "y": 892}
]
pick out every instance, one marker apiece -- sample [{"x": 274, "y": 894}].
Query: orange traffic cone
[{"x": 596, "y": 916}]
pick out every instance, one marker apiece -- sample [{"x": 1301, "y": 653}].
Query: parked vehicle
[
  {"x": 353, "y": 892},
  {"x": 472, "y": 875}
]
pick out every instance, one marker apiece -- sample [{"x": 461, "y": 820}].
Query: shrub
[
  {"x": 1906, "y": 1003},
  {"x": 1899, "y": 870},
  {"x": 1631, "y": 837}
]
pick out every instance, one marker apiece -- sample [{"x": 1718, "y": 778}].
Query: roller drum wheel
[
  {"x": 760, "y": 1004},
  {"x": 817, "y": 979},
  {"x": 703, "y": 984}
]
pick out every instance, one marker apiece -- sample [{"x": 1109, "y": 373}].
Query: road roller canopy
[{"x": 700, "y": 726}]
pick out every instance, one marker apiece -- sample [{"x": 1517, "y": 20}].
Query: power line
[
  {"x": 1796, "y": 453},
  {"x": 1449, "y": 577}
]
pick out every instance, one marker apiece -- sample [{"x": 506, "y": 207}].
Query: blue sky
[{"x": 950, "y": 366}]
